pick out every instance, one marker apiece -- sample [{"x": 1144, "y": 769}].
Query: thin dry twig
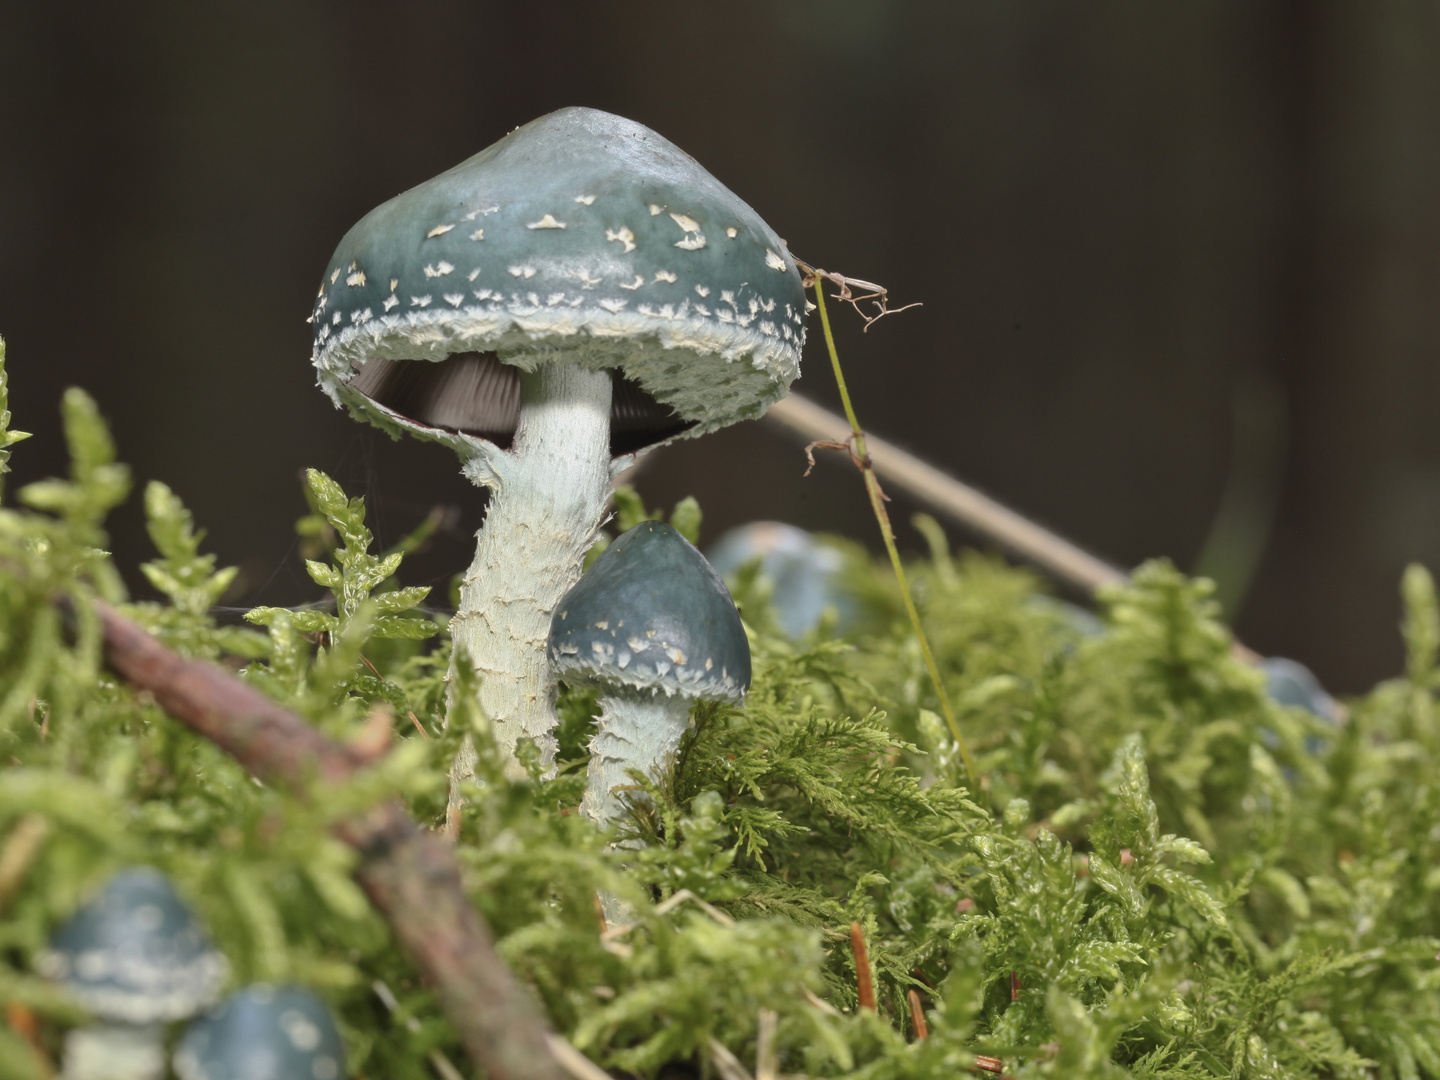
[
  {"x": 876, "y": 295},
  {"x": 917, "y": 1016},
  {"x": 18, "y": 855},
  {"x": 767, "y": 1057},
  {"x": 726, "y": 1063},
  {"x": 410, "y": 875},
  {"x": 864, "y": 983},
  {"x": 862, "y": 462}
]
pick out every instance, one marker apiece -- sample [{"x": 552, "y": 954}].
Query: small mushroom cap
[
  {"x": 805, "y": 571},
  {"x": 581, "y": 234},
  {"x": 651, "y": 614},
  {"x": 263, "y": 1033},
  {"x": 1290, "y": 682},
  {"x": 136, "y": 954}
]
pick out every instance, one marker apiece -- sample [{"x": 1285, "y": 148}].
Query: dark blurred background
[{"x": 1179, "y": 262}]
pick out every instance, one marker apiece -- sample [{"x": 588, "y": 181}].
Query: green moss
[{"x": 1166, "y": 873}]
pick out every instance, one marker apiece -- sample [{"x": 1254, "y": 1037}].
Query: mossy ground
[{"x": 1165, "y": 873}]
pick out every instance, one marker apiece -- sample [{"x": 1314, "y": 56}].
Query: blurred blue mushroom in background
[{"x": 803, "y": 570}]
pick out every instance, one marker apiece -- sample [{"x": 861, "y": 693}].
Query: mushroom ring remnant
[
  {"x": 654, "y": 628},
  {"x": 576, "y": 292}
]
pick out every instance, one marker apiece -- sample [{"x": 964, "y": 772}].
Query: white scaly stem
[
  {"x": 638, "y": 730},
  {"x": 549, "y": 496}
]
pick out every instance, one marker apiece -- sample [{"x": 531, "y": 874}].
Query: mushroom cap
[
  {"x": 136, "y": 954},
  {"x": 1289, "y": 682},
  {"x": 651, "y": 614},
  {"x": 806, "y": 573},
  {"x": 583, "y": 235},
  {"x": 263, "y": 1033}
]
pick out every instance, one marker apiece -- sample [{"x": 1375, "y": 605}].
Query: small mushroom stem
[
  {"x": 115, "y": 1052},
  {"x": 637, "y": 730},
  {"x": 548, "y": 498}
]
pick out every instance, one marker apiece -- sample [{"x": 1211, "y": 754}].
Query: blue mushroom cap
[
  {"x": 136, "y": 954},
  {"x": 263, "y": 1033},
  {"x": 580, "y": 235},
  {"x": 1290, "y": 682},
  {"x": 652, "y": 614},
  {"x": 804, "y": 571}
]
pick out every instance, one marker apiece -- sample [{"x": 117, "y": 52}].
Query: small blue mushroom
[
  {"x": 263, "y": 1033},
  {"x": 805, "y": 573},
  {"x": 654, "y": 628},
  {"x": 137, "y": 958}
]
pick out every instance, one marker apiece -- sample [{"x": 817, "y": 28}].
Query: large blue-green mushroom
[{"x": 573, "y": 294}]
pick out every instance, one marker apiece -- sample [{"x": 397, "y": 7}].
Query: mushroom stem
[
  {"x": 637, "y": 730},
  {"x": 548, "y": 497},
  {"x": 115, "y": 1052}
]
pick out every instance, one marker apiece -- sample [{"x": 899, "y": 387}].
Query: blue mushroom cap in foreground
[
  {"x": 136, "y": 954},
  {"x": 583, "y": 235},
  {"x": 652, "y": 614},
  {"x": 263, "y": 1033}
]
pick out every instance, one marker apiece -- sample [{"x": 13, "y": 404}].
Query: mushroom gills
[{"x": 475, "y": 393}]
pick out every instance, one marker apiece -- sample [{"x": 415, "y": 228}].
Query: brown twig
[
  {"x": 410, "y": 876},
  {"x": 863, "y": 981},
  {"x": 917, "y": 1016}
]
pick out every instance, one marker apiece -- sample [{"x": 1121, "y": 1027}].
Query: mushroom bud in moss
[
  {"x": 654, "y": 628},
  {"x": 263, "y": 1033},
  {"x": 136, "y": 958},
  {"x": 576, "y": 292}
]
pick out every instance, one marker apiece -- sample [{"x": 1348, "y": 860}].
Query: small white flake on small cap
[
  {"x": 390, "y": 301},
  {"x": 585, "y": 200},
  {"x": 420, "y": 301},
  {"x": 440, "y": 269},
  {"x": 454, "y": 299},
  {"x": 634, "y": 284},
  {"x": 522, "y": 271},
  {"x": 438, "y": 230},
  {"x": 775, "y": 262},
  {"x": 703, "y": 290},
  {"x": 473, "y": 274},
  {"x": 546, "y": 222},
  {"x": 335, "y": 276},
  {"x": 613, "y": 306},
  {"x": 621, "y": 236},
  {"x": 655, "y": 210},
  {"x": 357, "y": 278},
  {"x": 665, "y": 275},
  {"x": 478, "y": 234}
]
